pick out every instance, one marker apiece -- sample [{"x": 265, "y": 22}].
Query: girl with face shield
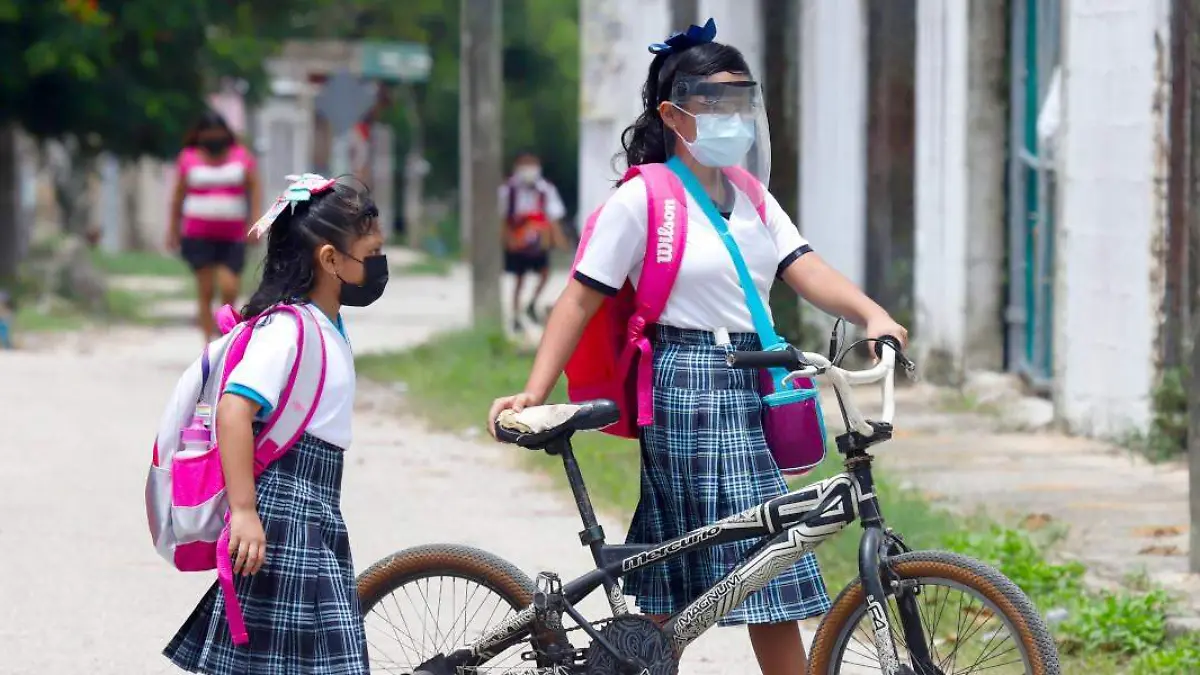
[{"x": 704, "y": 456}]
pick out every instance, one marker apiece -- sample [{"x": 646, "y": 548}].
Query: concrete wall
[
  {"x": 833, "y": 158},
  {"x": 959, "y": 185},
  {"x": 1110, "y": 214},
  {"x": 615, "y": 34}
]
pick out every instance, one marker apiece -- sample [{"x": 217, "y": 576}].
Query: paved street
[{"x": 84, "y": 592}]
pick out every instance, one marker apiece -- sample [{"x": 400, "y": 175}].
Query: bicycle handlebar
[
  {"x": 789, "y": 358},
  {"x": 813, "y": 365}
]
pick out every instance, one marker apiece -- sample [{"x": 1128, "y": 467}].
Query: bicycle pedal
[{"x": 548, "y": 582}]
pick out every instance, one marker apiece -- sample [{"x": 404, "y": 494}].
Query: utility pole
[
  {"x": 481, "y": 94},
  {"x": 780, "y": 20},
  {"x": 1184, "y": 14},
  {"x": 10, "y": 220},
  {"x": 684, "y": 13}
]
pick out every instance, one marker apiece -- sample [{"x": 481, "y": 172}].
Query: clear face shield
[{"x": 722, "y": 123}]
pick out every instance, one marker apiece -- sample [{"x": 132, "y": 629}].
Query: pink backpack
[
  {"x": 186, "y": 505},
  {"x": 614, "y": 359}
]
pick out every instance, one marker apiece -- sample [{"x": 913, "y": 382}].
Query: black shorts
[
  {"x": 201, "y": 253},
  {"x": 523, "y": 263}
]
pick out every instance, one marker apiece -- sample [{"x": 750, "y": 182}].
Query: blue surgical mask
[{"x": 721, "y": 140}]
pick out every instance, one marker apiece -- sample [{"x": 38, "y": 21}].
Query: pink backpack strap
[
  {"x": 287, "y": 422},
  {"x": 751, "y": 187},
  {"x": 301, "y": 394},
  {"x": 302, "y": 391},
  {"x": 666, "y": 206}
]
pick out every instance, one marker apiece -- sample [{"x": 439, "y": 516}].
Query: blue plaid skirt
[
  {"x": 301, "y": 608},
  {"x": 705, "y": 458}
]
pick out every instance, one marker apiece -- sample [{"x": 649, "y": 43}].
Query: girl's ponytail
[
  {"x": 645, "y": 141},
  {"x": 287, "y": 272}
]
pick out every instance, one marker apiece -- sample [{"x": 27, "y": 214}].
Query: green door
[{"x": 1033, "y": 64}]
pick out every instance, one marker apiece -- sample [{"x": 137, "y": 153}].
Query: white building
[
  {"x": 1039, "y": 188},
  {"x": 1082, "y": 218}
]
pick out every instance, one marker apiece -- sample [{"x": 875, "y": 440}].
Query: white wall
[
  {"x": 959, "y": 186},
  {"x": 615, "y": 35},
  {"x": 1106, "y": 301},
  {"x": 833, "y": 156},
  {"x": 738, "y": 24},
  {"x": 940, "y": 180}
]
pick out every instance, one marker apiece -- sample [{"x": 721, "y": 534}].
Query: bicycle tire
[
  {"x": 467, "y": 562},
  {"x": 439, "y": 560},
  {"x": 1030, "y": 629}
]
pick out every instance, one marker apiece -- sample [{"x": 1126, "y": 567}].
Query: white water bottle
[{"x": 196, "y": 437}]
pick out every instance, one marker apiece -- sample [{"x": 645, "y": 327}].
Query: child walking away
[
  {"x": 290, "y": 553},
  {"x": 532, "y": 211}
]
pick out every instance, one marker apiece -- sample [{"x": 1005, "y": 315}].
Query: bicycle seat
[{"x": 539, "y": 426}]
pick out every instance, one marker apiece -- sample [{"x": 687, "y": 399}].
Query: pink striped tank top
[{"x": 215, "y": 205}]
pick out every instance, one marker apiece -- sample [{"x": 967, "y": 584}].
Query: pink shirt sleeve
[{"x": 246, "y": 157}]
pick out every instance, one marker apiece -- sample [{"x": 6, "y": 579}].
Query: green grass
[
  {"x": 428, "y": 265},
  {"x": 452, "y": 380},
  {"x": 120, "y": 307},
  {"x": 140, "y": 263}
]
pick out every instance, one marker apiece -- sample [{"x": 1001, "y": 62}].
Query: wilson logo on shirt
[{"x": 666, "y": 233}]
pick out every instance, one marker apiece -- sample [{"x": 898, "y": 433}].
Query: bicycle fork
[{"x": 874, "y": 548}]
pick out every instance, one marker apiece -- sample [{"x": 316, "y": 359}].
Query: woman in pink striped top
[{"x": 216, "y": 191}]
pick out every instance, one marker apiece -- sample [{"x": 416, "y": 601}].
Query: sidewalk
[{"x": 1124, "y": 516}]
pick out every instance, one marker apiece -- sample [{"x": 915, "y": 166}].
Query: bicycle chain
[{"x": 578, "y": 652}]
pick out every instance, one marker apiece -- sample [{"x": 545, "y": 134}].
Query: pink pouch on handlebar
[{"x": 792, "y": 421}]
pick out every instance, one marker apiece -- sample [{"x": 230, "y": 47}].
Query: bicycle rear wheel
[
  {"x": 992, "y": 607},
  {"x": 430, "y": 600}
]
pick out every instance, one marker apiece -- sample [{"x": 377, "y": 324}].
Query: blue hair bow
[{"x": 694, "y": 35}]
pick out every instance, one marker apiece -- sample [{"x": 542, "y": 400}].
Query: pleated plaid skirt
[
  {"x": 703, "y": 459},
  {"x": 301, "y": 609}
]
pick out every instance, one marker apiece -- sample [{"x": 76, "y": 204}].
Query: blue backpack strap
[{"x": 758, "y": 309}]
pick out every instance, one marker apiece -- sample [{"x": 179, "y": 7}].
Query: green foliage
[
  {"x": 1019, "y": 558},
  {"x": 541, "y": 73},
  {"x": 1168, "y": 434},
  {"x": 1127, "y": 623},
  {"x": 128, "y": 76},
  {"x": 1182, "y": 656}
]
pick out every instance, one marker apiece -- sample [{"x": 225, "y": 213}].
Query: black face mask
[
  {"x": 375, "y": 278},
  {"x": 215, "y": 146}
]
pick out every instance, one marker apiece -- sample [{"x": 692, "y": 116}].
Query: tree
[
  {"x": 127, "y": 76},
  {"x": 541, "y": 80}
]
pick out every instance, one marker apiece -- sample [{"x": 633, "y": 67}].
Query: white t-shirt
[
  {"x": 707, "y": 294},
  {"x": 264, "y": 369},
  {"x": 529, "y": 198}
]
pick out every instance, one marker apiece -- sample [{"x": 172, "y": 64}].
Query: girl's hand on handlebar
[
  {"x": 885, "y": 325},
  {"x": 516, "y": 403}
]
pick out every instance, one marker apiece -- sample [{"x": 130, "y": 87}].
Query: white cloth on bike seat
[{"x": 537, "y": 419}]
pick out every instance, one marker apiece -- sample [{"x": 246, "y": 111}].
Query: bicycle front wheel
[
  {"x": 973, "y": 618},
  {"x": 432, "y": 599}
]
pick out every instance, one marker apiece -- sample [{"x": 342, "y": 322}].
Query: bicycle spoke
[
  {"x": 453, "y": 612},
  {"x": 966, "y": 628}
]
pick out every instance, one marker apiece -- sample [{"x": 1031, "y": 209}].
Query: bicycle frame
[{"x": 789, "y": 526}]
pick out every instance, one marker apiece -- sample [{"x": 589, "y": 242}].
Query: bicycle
[{"x": 891, "y": 575}]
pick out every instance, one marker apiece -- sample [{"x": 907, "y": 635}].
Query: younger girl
[
  {"x": 705, "y": 456},
  {"x": 290, "y": 550}
]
